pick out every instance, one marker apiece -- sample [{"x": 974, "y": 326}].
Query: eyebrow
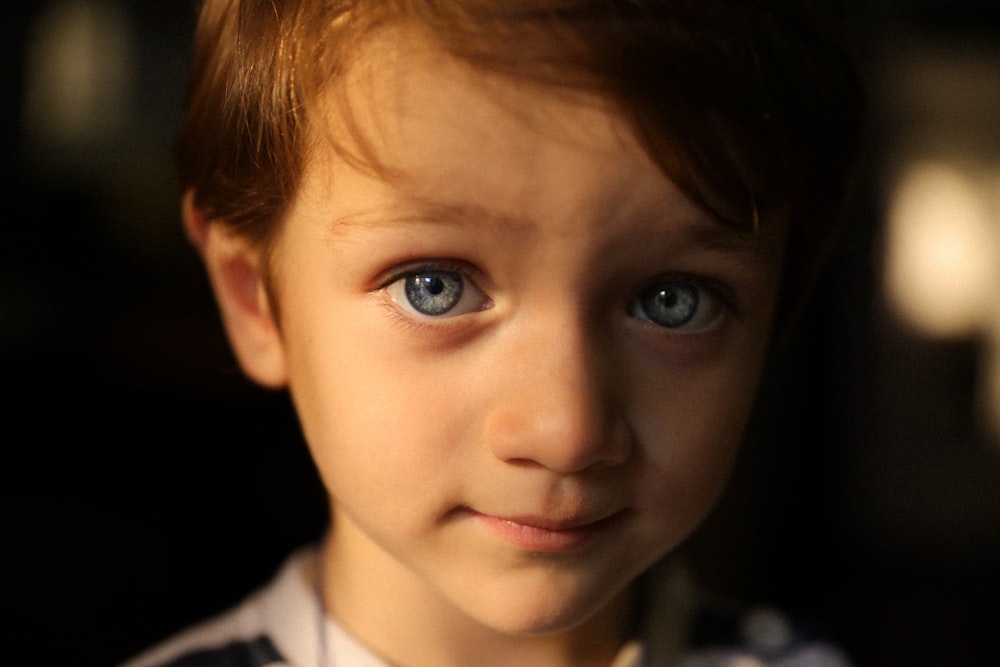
[
  {"x": 438, "y": 213},
  {"x": 718, "y": 236},
  {"x": 704, "y": 232}
]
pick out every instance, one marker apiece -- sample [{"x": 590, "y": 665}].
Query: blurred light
[
  {"x": 990, "y": 392},
  {"x": 767, "y": 630},
  {"x": 78, "y": 76},
  {"x": 941, "y": 263}
]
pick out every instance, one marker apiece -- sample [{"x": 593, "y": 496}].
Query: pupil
[
  {"x": 668, "y": 298},
  {"x": 434, "y": 293},
  {"x": 434, "y": 285}
]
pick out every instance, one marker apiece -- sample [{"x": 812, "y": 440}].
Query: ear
[{"x": 234, "y": 268}]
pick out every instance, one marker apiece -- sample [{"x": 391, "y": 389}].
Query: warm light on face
[{"x": 512, "y": 421}]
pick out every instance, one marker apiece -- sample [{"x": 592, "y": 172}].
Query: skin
[{"x": 499, "y": 474}]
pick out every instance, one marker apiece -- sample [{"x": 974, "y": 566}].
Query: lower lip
[{"x": 535, "y": 538}]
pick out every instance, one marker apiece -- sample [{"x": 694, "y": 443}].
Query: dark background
[{"x": 146, "y": 484}]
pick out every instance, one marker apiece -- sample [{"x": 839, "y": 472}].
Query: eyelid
[
  {"x": 408, "y": 268},
  {"x": 720, "y": 289}
]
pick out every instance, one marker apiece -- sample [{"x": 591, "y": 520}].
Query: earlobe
[{"x": 234, "y": 268}]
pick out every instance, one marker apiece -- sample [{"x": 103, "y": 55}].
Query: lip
[{"x": 547, "y": 535}]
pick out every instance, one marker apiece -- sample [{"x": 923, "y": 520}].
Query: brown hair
[{"x": 753, "y": 108}]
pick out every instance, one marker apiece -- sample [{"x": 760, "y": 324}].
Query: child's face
[{"x": 524, "y": 363}]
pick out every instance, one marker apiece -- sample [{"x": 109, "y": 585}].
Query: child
[{"x": 519, "y": 264}]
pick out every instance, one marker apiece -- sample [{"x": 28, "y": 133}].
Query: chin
[
  {"x": 539, "y": 623},
  {"x": 546, "y": 610}
]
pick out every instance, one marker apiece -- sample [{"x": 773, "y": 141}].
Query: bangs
[{"x": 753, "y": 109}]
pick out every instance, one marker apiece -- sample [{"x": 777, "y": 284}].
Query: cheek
[
  {"x": 376, "y": 422},
  {"x": 680, "y": 482},
  {"x": 690, "y": 433}
]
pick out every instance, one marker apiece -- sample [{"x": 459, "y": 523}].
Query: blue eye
[
  {"x": 677, "y": 304},
  {"x": 435, "y": 293}
]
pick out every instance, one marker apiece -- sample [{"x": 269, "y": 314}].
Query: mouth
[{"x": 548, "y": 535}]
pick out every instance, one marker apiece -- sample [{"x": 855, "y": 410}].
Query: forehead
[
  {"x": 418, "y": 117},
  {"x": 402, "y": 90},
  {"x": 449, "y": 138}
]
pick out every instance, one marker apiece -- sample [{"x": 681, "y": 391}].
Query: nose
[{"x": 557, "y": 402}]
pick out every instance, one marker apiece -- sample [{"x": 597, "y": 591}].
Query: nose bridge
[{"x": 559, "y": 406}]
